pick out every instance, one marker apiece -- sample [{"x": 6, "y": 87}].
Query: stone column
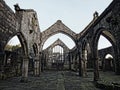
[
  {"x": 2, "y": 64},
  {"x": 19, "y": 65},
  {"x": 47, "y": 56},
  {"x": 69, "y": 62},
  {"x": 117, "y": 71},
  {"x": 40, "y": 62},
  {"x": 80, "y": 64},
  {"x": 84, "y": 56},
  {"x": 83, "y": 68},
  {"x": 96, "y": 69},
  {"x": 36, "y": 66},
  {"x": 25, "y": 69}
]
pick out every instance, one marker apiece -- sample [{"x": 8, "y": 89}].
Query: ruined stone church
[{"x": 31, "y": 59}]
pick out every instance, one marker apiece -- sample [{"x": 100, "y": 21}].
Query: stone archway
[
  {"x": 106, "y": 33},
  {"x": 15, "y": 57},
  {"x": 23, "y": 43},
  {"x": 102, "y": 54},
  {"x": 49, "y": 54},
  {"x": 60, "y": 43},
  {"x": 22, "y": 40},
  {"x": 58, "y": 27},
  {"x": 108, "y": 64}
]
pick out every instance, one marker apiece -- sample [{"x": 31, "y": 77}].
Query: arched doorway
[
  {"x": 57, "y": 57},
  {"x": 15, "y": 49},
  {"x": 64, "y": 45},
  {"x": 63, "y": 37},
  {"x": 108, "y": 64},
  {"x": 95, "y": 56},
  {"x": 12, "y": 58},
  {"x": 56, "y": 28}
]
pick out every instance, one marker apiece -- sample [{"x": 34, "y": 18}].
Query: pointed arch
[
  {"x": 22, "y": 40},
  {"x": 107, "y": 34},
  {"x": 58, "y": 27},
  {"x": 60, "y": 43}
]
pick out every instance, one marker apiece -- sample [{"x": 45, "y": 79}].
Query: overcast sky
[{"x": 76, "y": 14}]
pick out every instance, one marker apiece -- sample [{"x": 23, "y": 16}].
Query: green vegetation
[{"x": 12, "y": 47}]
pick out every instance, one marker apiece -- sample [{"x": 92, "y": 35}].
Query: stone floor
[
  {"x": 50, "y": 80},
  {"x": 110, "y": 77},
  {"x": 109, "y": 81}
]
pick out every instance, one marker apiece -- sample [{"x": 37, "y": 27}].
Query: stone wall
[
  {"x": 7, "y": 24},
  {"x": 30, "y": 28},
  {"x": 24, "y": 24}
]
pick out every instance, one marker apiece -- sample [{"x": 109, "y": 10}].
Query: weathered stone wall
[
  {"x": 24, "y": 24},
  {"x": 48, "y": 53},
  {"x": 57, "y": 27},
  {"x": 30, "y": 28},
  {"x": 23, "y": 21},
  {"x": 108, "y": 25},
  {"x": 7, "y": 31},
  {"x": 102, "y": 56},
  {"x": 103, "y": 52},
  {"x": 7, "y": 24}
]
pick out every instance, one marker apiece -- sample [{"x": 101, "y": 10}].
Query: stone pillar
[
  {"x": 36, "y": 66},
  {"x": 117, "y": 56},
  {"x": 2, "y": 55},
  {"x": 19, "y": 59},
  {"x": 69, "y": 62},
  {"x": 82, "y": 67},
  {"x": 25, "y": 69},
  {"x": 80, "y": 64},
  {"x": 117, "y": 71},
  {"x": 40, "y": 55},
  {"x": 84, "y": 71},
  {"x": 103, "y": 64},
  {"x": 42, "y": 61},
  {"x": 89, "y": 61},
  {"x": 96, "y": 69},
  {"x": 84, "y": 56},
  {"x": 46, "y": 60}
]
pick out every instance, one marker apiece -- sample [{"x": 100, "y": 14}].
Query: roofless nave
[{"x": 84, "y": 57}]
